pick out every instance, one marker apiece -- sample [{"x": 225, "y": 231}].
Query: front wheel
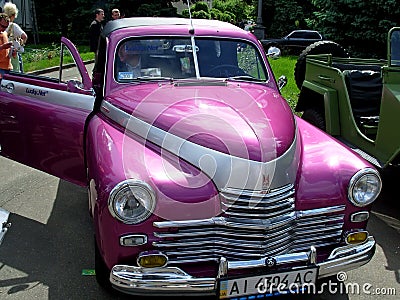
[
  {"x": 315, "y": 117},
  {"x": 102, "y": 272}
]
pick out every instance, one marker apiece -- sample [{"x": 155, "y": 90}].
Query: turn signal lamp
[
  {"x": 152, "y": 260},
  {"x": 360, "y": 216},
  {"x": 133, "y": 240},
  {"x": 356, "y": 237}
]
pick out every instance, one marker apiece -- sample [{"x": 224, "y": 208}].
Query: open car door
[{"x": 43, "y": 116}]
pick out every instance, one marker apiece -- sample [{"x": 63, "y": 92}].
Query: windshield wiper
[
  {"x": 150, "y": 78},
  {"x": 245, "y": 78}
]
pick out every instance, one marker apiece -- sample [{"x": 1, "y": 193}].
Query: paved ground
[{"x": 50, "y": 242}]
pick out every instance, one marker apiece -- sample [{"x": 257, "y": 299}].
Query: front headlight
[
  {"x": 364, "y": 187},
  {"x": 131, "y": 201}
]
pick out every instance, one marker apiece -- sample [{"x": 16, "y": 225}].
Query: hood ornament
[{"x": 266, "y": 183}]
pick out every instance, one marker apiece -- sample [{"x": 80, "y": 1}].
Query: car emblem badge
[
  {"x": 266, "y": 183},
  {"x": 270, "y": 262},
  {"x": 9, "y": 87}
]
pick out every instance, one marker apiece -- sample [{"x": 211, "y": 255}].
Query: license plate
[{"x": 292, "y": 281}]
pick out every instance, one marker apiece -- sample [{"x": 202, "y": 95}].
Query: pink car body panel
[{"x": 230, "y": 119}]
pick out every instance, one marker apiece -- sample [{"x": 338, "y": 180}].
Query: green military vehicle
[{"x": 355, "y": 100}]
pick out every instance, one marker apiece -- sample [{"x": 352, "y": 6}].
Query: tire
[
  {"x": 314, "y": 117},
  {"x": 102, "y": 272},
  {"x": 321, "y": 47}
]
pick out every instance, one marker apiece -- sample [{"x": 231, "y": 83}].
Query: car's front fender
[{"x": 113, "y": 156}]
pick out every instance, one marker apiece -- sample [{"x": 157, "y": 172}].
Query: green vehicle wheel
[
  {"x": 321, "y": 47},
  {"x": 314, "y": 117}
]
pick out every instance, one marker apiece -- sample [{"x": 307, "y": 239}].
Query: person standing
[
  {"x": 115, "y": 14},
  {"x": 16, "y": 35},
  {"x": 95, "y": 29},
  {"x": 5, "y": 60}
]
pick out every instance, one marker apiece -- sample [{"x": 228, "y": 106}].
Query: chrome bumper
[
  {"x": 4, "y": 225},
  {"x": 173, "y": 281}
]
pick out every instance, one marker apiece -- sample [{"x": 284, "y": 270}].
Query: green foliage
[
  {"x": 71, "y": 18},
  {"x": 223, "y": 10},
  {"x": 360, "y": 26},
  {"x": 363, "y": 25},
  {"x": 283, "y": 17},
  {"x": 201, "y": 14},
  {"x": 45, "y": 56},
  {"x": 215, "y": 13},
  {"x": 200, "y": 6},
  {"x": 41, "y": 53},
  {"x": 185, "y": 13},
  {"x": 237, "y": 9}
]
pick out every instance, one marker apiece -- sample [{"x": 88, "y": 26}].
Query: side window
[
  {"x": 313, "y": 35},
  {"x": 69, "y": 70},
  {"x": 296, "y": 35},
  {"x": 250, "y": 62}
]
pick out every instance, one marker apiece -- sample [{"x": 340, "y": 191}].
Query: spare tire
[{"x": 321, "y": 47}]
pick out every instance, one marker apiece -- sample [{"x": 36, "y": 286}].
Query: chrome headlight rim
[
  {"x": 130, "y": 185},
  {"x": 356, "y": 179}
]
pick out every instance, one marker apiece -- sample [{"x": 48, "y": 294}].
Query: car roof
[
  {"x": 304, "y": 30},
  {"x": 161, "y": 21}
]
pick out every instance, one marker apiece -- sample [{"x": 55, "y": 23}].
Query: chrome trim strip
[
  {"x": 225, "y": 170},
  {"x": 348, "y": 257},
  {"x": 222, "y": 221},
  {"x": 159, "y": 281},
  {"x": 317, "y": 220},
  {"x": 243, "y": 238},
  {"x": 174, "y": 281},
  {"x": 49, "y": 95},
  {"x": 279, "y": 260},
  {"x": 320, "y": 211},
  {"x": 230, "y": 222},
  {"x": 232, "y": 193}
]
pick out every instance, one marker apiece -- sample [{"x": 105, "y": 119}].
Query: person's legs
[
  {"x": 15, "y": 63},
  {"x": 2, "y": 72},
  {"x": 21, "y": 65}
]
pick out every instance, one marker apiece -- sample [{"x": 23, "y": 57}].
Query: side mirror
[
  {"x": 76, "y": 86},
  {"x": 274, "y": 52},
  {"x": 282, "y": 81}
]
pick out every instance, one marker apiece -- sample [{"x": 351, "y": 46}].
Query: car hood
[{"x": 249, "y": 121}]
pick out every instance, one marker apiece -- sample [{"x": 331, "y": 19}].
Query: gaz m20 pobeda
[{"x": 201, "y": 180}]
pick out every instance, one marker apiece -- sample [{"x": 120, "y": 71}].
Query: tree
[
  {"x": 363, "y": 25},
  {"x": 54, "y": 22},
  {"x": 283, "y": 16},
  {"x": 239, "y": 10}
]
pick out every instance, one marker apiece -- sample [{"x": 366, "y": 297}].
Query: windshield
[{"x": 174, "y": 58}]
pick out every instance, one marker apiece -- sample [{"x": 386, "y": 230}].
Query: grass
[
  {"x": 285, "y": 66},
  {"x": 38, "y": 57}
]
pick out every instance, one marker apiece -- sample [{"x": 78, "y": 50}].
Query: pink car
[{"x": 200, "y": 179}]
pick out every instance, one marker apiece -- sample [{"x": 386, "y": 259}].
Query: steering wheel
[{"x": 225, "y": 70}]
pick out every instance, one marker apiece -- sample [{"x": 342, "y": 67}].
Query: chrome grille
[{"x": 254, "y": 225}]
